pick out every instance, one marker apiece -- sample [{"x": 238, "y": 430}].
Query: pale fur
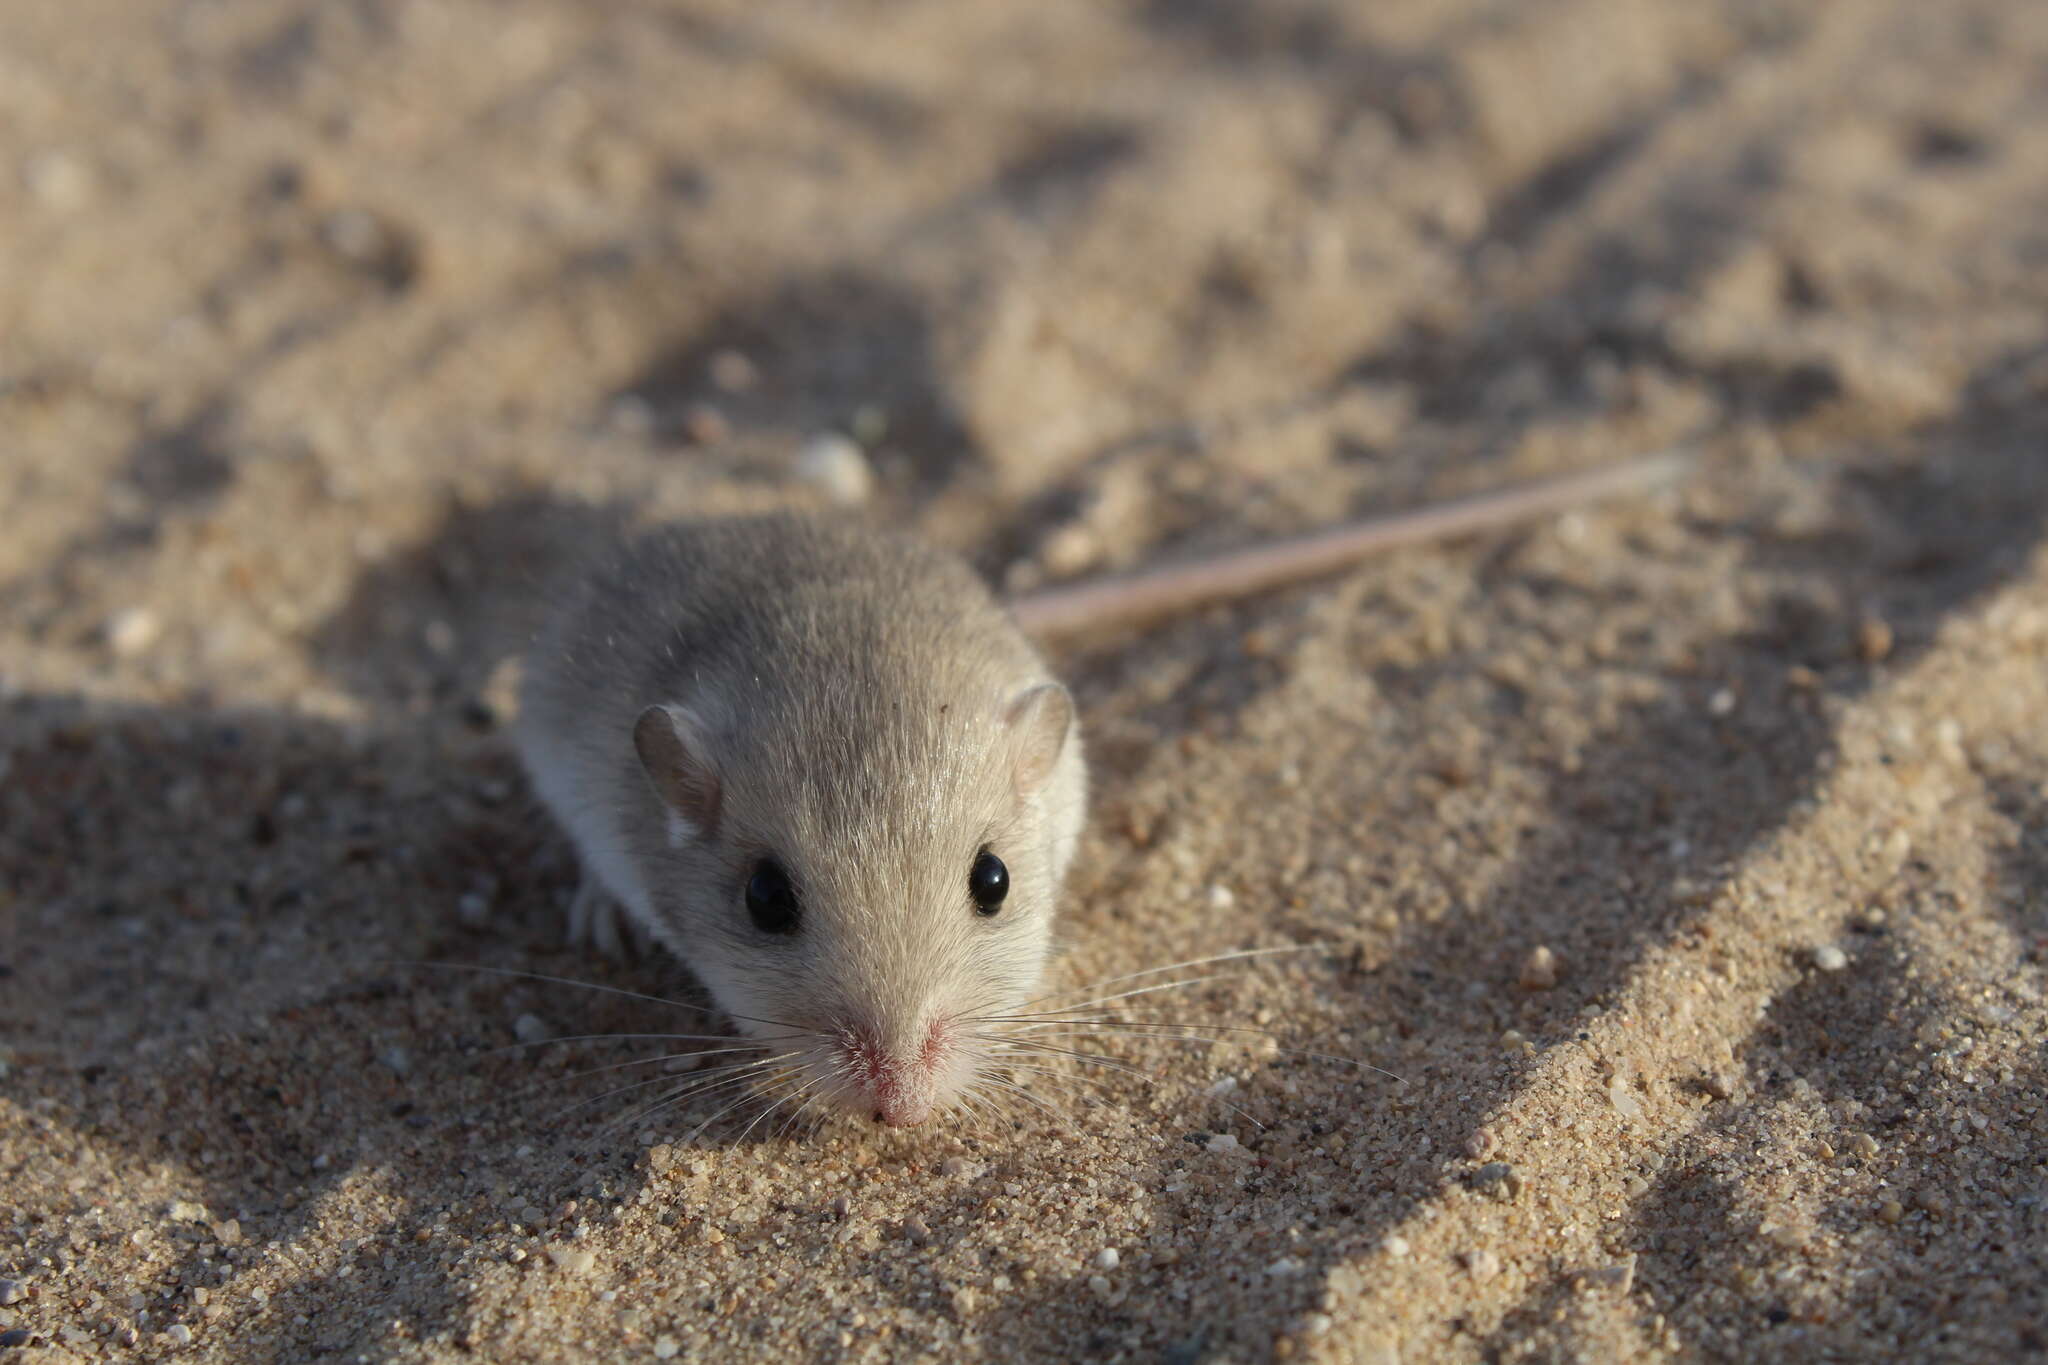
[{"x": 853, "y": 689}]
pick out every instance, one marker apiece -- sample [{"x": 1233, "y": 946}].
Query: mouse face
[{"x": 868, "y": 885}]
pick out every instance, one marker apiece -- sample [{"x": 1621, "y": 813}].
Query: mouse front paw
[{"x": 597, "y": 919}]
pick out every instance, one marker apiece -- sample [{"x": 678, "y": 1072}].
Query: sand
[{"x": 1677, "y": 866}]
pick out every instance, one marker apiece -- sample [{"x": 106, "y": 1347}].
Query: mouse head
[{"x": 866, "y": 882}]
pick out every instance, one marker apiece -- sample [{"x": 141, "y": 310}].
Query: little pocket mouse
[{"x": 824, "y": 766}]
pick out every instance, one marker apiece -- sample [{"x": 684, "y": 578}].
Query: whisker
[
  {"x": 976, "y": 1104},
  {"x": 1239, "y": 955},
  {"x": 785, "y": 1099},
  {"x": 694, "y": 1089},
  {"x": 1064, "y": 1084},
  {"x": 1143, "y": 1028},
  {"x": 698, "y": 1131},
  {"x": 706, "y": 1010},
  {"x": 795, "y": 1116},
  {"x": 564, "y": 981},
  {"x": 1112, "y": 999},
  {"x": 747, "y": 1087},
  {"x": 1010, "y": 1087},
  {"x": 552, "y": 1082},
  {"x": 735, "y": 1039},
  {"x": 723, "y": 1075},
  {"x": 1154, "y": 1077},
  {"x": 1048, "y": 1050}
]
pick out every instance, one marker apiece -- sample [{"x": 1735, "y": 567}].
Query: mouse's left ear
[
  {"x": 1040, "y": 720},
  {"x": 670, "y": 742}
]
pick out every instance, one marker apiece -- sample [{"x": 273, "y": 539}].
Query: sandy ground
[{"x": 326, "y": 328}]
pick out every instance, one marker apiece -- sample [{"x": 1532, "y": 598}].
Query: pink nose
[
  {"x": 899, "y": 1085},
  {"x": 898, "y": 1110}
]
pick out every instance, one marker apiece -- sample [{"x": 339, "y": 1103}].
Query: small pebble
[
  {"x": 59, "y": 180},
  {"x": 630, "y": 415},
  {"x": 870, "y": 424},
  {"x": 1539, "y": 969},
  {"x": 179, "y": 1333},
  {"x": 916, "y": 1231},
  {"x": 397, "y": 1059},
  {"x": 182, "y": 1211},
  {"x": 955, "y": 1166},
  {"x": 574, "y": 1260},
  {"x": 1317, "y": 1324},
  {"x": 706, "y": 425},
  {"x": 1285, "y": 1266},
  {"x": 1829, "y": 958},
  {"x": 16, "y": 1336},
  {"x": 837, "y": 467},
  {"x": 528, "y": 1028},
  {"x": 733, "y": 372},
  {"x": 1874, "y": 639},
  {"x": 1790, "y": 1236},
  {"x": 1620, "y": 1277},
  {"x": 11, "y": 1292},
  {"x": 354, "y": 235},
  {"x": 666, "y": 1348},
  {"x": 473, "y": 910},
  {"x": 1221, "y": 897},
  {"x": 132, "y": 630},
  {"x": 516, "y": 1255},
  {"x": 1070, "y": 549},
  {"x": 1396, "y": 1246},
  {"x": 1108, "y": 1259},
  {"x": 1499, "y": 1180},
  {"x": 1482, "y": 1264},
  {"x": 1100, "y": 1285},
  {"x": 1721, "y": 703},
  {"x": 1223, "y": 1142}
]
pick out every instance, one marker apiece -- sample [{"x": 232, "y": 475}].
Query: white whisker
[{"x": 1239, "y": 955}]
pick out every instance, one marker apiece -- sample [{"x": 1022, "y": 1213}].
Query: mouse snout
[{"x": 896, "y": 1082}]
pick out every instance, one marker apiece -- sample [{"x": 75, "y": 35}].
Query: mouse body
[{"x": 822, "y": 765}]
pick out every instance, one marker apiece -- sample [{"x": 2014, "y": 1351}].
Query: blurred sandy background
[{"x": 1685, "y": 858}]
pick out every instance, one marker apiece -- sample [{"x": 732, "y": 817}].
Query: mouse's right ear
[
  {"x": 671, "y": 746},
  {"x": 1040, "y": 718}
]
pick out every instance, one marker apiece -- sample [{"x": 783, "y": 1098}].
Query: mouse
[
  {"x": 822, "y": 765},
  {"x": 826, "y": 766}
]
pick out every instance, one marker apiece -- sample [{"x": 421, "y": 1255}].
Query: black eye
[
  {"x": 771, "y": 900},
  {"x": 988, "y": 883}
]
